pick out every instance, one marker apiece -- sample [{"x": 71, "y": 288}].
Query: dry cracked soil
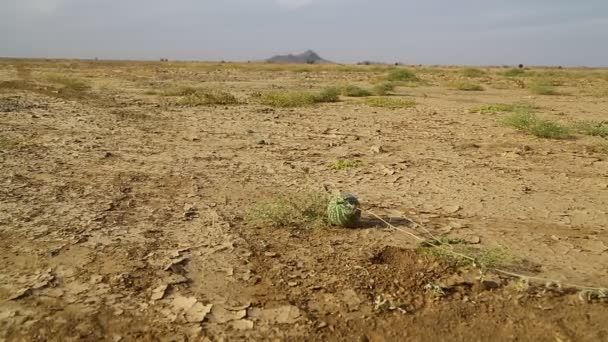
[{"x": 123, "y": 212}]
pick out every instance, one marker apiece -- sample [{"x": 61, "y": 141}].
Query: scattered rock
[
  {"x": 287, "y": 314},
  {"x": 175, "y": 264},
  {"x": 176, "y": 278},
  {"x": 456, "y": 225},
  {"x": 190, "y": 212},
  {"x": 451, "y": 209},
  {"x": 181, "y": 303},
  {"x": 377, "y": 149},
  {"x": 386, "y": 171},
  {"x": 96, "y": 279},
  {"x": 270, "y": 254},
  {"x": 595, "y": 246},
  {"x": 265, "y": 110},
  {"x": 242, "y": 324},
  {"x": 53, "y": 292},
  {"x": 198, "y": 312},
  {"x": 26, "y": 291},
  {"x": 159, "y": 292},
  {"x": 221, "y": 314},
  {"x": 193, "y": 311},
  {"x": 474, "y": 240},
  {"x": 42, "y": 281},
  {"x": 490, "y": 284},
  {"x": 351, "y": 300}
]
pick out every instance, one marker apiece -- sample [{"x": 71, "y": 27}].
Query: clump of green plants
[
  {"x": 543, "y": 87},
  {"x": 345, "y": 164},
  {"x": 594, "y": 128},
  {"x": 208, "y": 98},
  {"x": 68, "y": 83},
  {"x": 330, "y": 94},
  {"x": 466, "y": 86},
  {"x": 502, "y": 108},
  {"x": 453, "y": 251},
  {"x": 402, "y": 75},
  {"x": 288, "y": 99},
  {"x": 180, "y": 90},
  {"x": 601, "y": 148},
  {"x": 493, "y": 258},
  {"x": 384, "y": 88},
  {"x": 514, "y": 72},
  {"x": 389, "y": 102},
  {"x": 472, "y": 72},
  {"x": 294, "y": 210},
  {"x": 529, "y": 123},
  {"x": 355, "y": 91}
]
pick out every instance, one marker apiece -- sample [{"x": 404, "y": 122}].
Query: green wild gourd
[{"x": 343, "y": 210}]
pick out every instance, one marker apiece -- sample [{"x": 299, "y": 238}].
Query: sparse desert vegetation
[
  {"x": 355, "y": 91},
  {"x": 290, "y": 210},
  {"x": 504, "y": 108},
  {"x": 402, "y": 75},
  {"x": 543, "y": 87},
  {"x": 473, "y": 72},
  {"x": 466, "y": 86},
  {"x": 529, "y": 123},
  {"x": 67, "y": 82},
  {"x": 189, "y": 200},
  {"x": 208, "y": 97},
  {"x": 390, "y": 102},
  {"x": 345, "y": 164},
  {"x": 514, "y": 72},
  {"x": 593, "y": 128},
  {"x": 287, "y": 99},
  {"x": 384, "y": 88}
]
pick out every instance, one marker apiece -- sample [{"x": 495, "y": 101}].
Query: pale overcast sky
[{"x": 474, "y": 32}]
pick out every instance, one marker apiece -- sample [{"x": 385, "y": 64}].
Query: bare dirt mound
[{"x": 353, "y": 292}]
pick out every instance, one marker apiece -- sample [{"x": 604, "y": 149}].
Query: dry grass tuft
[
  {"x": 529, "y": 123},
  {"x": 502, "y": 108},
  {"x": 466, "y": 86},
  {"x": 389, "y": 102},
  {"x": 345, "y": 164},
  {"x": 290, "y": 99},
  {"x": 593, "y": 128},
  {"x": 295, "y": 210},
  {"x": 208, "y": 98},
  {"x": 68, "y": 83},
  {"x": 355, "y": 91}
]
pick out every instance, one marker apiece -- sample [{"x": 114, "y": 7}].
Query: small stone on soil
[{"x": 377, "y": 149}]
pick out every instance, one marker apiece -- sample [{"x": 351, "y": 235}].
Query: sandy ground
[{"x": 122, "y": 214}]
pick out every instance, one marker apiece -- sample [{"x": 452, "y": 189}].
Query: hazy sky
[{"x": 476, "y": 32}]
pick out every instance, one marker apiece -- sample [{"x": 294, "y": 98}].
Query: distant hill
[{"x": 308, "y": 57}]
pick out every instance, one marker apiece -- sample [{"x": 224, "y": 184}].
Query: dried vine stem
[{"x": 470, "y": 258}]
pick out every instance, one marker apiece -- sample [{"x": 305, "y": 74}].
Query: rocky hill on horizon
[{"x": 308, "y": 57}]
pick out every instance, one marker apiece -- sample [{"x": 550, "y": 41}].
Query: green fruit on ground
[{"x": 343, "y": 210}]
